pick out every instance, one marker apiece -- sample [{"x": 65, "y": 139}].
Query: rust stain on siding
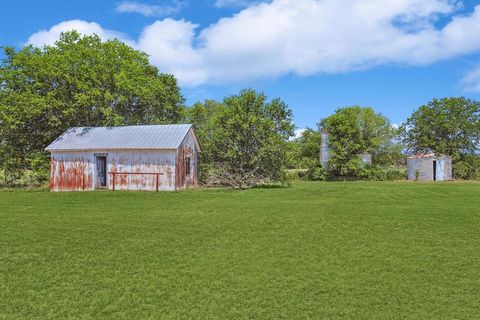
[
  {"x": 70, "y": 175},
  {"x": 186, "y": 149}
]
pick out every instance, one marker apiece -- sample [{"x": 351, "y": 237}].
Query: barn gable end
[{"x": 187, "y": 162}]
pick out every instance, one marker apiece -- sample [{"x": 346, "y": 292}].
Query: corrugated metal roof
[{"x": 128, "y": 137}]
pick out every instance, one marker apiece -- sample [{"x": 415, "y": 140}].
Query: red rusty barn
[{"x": 153, "y": 158}]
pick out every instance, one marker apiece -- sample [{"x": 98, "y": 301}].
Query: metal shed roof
[
  {"x": 117, "y": 138},
  {"x": 427, "y": 156}
]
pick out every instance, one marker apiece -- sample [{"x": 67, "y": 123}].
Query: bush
[
  {"x": 35, "y": 173},
  {"x": 376, "y": 173},
  {"x": 40, "y": 169},
  {"x": 295, "y": 174},
  {"x": 316, "y": 173},
  {"x": 467, "y": 168},
  {"x": 313, "y": 173},
  {"x": 220, "y": 175}
]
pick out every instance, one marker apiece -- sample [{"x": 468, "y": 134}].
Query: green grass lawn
[{"x": 310, "y": 251}]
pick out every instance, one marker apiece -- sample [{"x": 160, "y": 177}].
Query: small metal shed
[
  {"x": 150, "y": 158},
  {"x": 428, "y": 167}
]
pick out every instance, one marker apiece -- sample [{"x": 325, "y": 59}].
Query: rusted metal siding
[
  {"x": 76, "y": 171},
  {"x": 189, "y": 149},
  {"x": 72, "y": 171},
  {"x": 125, "y": 158},
  {"x": 144, "y": 165}
]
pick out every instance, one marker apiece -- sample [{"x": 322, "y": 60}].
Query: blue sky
[{"x": 392, "y": 55}]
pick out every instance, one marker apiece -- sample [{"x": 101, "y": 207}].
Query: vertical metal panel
[
  {"x": 145, "y": 164},
  {"x": 71, "y": 171},
  {"x": 420, "y": 169},
  {"x": 444, "y": 168},
  {"x": 412, "y": 168},
  {"x": 75, "y": 171},
  {"x": 188, "y": 148}
]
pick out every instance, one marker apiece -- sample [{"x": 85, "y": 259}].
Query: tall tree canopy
[
  {"x": 354, "y": 130},
  {"x": 448, "y": 126},
  {"x": 303, "y": 151},
  {"x": 243, "y": 138},
  {"x": 78, "y": 81}
]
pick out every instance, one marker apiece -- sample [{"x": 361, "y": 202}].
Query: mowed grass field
[{"x": 353, "y": 250}]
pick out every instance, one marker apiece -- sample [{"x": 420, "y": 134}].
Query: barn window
[{"x": 188, "y": 169}]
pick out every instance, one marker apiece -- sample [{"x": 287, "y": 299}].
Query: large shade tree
[
  {"x": 243, "y": 138},
  {"x": 78, "y": 81},
  {"x": 354, "y": 130},
  {"x": 448, "y": 126}
]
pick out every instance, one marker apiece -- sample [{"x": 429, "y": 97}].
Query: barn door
[{"x": 101, "y": 172}]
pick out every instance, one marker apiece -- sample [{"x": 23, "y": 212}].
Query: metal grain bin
[{"x": 324, "y": 149}]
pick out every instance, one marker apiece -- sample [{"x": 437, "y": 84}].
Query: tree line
[
  {"x": 449, "y": 126},
  {"x": 246, "y": 138}
]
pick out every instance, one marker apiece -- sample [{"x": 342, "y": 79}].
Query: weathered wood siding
[{"x": 188, "y": 148}]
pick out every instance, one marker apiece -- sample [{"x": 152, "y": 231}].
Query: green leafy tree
[
  {"x": 392, "y": 151},
  {"x": 78, "y": 81},
  {"x": 303, "y": 151},
  {"x": 309, "y": 142},
  {"x": 243, "y": 138},
  {"x": 354, "y": 130},
  {"x": 202, "y": 116},
  {"x": 448, "y": 126},
  {"x": 293, "y": 153}
]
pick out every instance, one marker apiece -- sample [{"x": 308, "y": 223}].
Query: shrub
[
  {"x": 468, "y": 167},
  {"x": 377, "y": 173},
  {"x": 316, "y": 173},
  {"x": 295, "y": 174}
]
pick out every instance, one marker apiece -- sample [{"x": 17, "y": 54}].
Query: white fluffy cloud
[
  {"x": 149, "y": 10},
  {"x": 169, "y": 43},
  {"x": 471, "y": 81},
  {"x": 306, "y": 37},
  {"x": 235, "y": 3},
  {"x": 50, "y": 36}
]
